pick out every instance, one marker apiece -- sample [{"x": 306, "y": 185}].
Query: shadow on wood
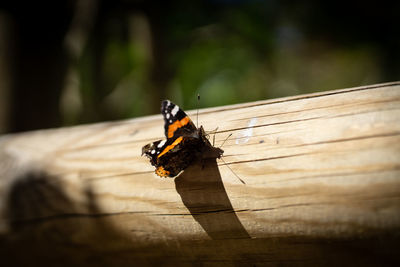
[
  {"x": 203, "y": 193},
  {"x": 46, "y": 226}
]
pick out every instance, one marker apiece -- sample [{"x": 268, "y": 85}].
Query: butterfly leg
[{"x": 213, "y": 132}]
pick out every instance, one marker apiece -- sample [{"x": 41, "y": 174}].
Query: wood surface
[{"x": 322, "y": 175}]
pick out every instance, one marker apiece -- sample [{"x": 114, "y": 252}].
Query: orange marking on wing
[
  {"x": 177, "y": 124},
  {"x": 160, "y": 171},
  {"x": 171, "y": 146}
]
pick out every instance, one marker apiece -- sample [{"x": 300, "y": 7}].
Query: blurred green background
[{"x": 71, "y": 62}]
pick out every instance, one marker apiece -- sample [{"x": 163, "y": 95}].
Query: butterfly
[{"x": 184, "y": 143}]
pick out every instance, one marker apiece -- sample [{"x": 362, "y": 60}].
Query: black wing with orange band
[
  {"x": 176, "y": 122},
  {"x": 166, "y": 155}
]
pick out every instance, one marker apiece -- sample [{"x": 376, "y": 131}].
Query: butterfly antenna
[
  {"x": 225, "y": 140},
  {"x": 197, "y": 117},
  {"x": 237, "y": 176}
]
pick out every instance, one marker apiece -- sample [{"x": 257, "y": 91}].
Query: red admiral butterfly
[{"x": 185, "y": 143}]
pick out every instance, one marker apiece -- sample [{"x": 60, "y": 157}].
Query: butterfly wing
[
  {"x": 172, "y": 155},
  {"x": 163, "y": 154},
  {"x": 152, "y": 150},
  {"x": 176, "y": 122}
]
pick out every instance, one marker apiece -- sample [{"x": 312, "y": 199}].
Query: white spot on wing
[
  {"x": 161, "y": 143},
  {"x": 167, "y": 116},
  {"x": 174, "y": 110},
  {"x": 153, "y": 151},
  {"x": 244, "y": 136}
]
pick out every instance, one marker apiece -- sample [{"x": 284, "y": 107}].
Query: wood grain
[{"x": 322, "y": 175}]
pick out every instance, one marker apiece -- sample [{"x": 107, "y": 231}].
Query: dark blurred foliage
[{"x": 79, "y": 61}]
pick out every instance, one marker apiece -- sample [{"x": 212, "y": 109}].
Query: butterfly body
[{"x": 184, "y": 143}]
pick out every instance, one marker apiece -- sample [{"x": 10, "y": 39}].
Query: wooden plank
[{"x": 322, "y": 175}]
